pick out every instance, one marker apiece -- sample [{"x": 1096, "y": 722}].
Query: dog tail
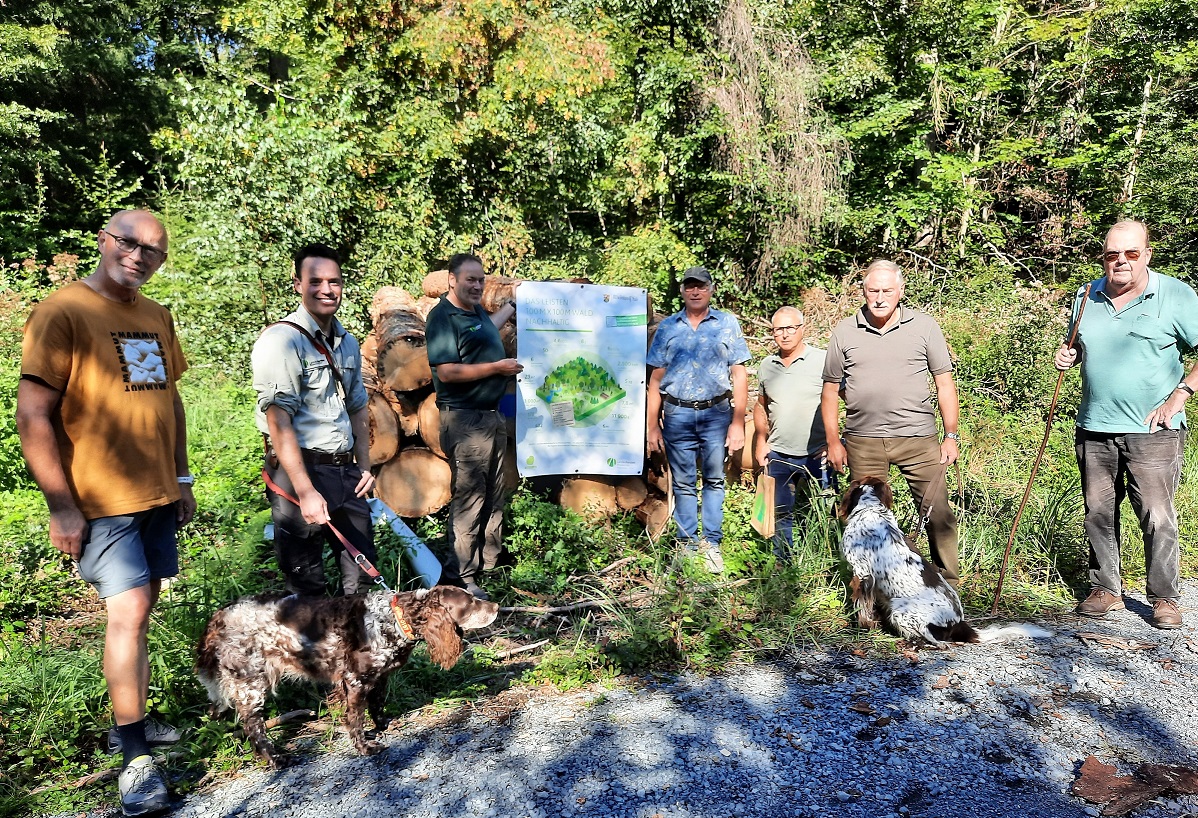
[
  {"x": 1001, "y": 633},
  {"x": 960, "y": 631}
]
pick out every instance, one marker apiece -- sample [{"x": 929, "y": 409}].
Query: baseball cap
[{"x": 697, "y": 274}]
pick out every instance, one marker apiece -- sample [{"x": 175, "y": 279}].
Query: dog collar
[{"x": 401, "y": 619}]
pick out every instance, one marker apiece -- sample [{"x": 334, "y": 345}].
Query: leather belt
[
  {"x": 325, "y": 459},
  {"x": 696, "y": 404}
]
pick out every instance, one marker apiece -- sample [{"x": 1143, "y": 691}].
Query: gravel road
[{"x": 977, "y": 731}]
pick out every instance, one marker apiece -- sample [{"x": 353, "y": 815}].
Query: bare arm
[
  {"x": 185, "y": 507},
  {"x": 286, "y": 445},
  {"x": 501, "y": 315},
  {"x": 1176, "y": 402},
  {"x": 761, "y": 431},
  {"x": 36, "y": 403},
  {"x": 950, "y": 413},
  {"x": 740, "y": 400},
  {"x": 360, "y": 423},
  {"x": 464, "y": 373},
  {"x": 829, "y": 409},
  {"x": 653, "y": 411}
]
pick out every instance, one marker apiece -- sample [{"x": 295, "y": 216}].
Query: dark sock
[{"x": 133, "y": 740}]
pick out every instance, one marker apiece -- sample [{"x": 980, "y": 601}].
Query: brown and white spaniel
[
  {"x": 352, "y": 643},
  {"x": 893, "y": 583}
]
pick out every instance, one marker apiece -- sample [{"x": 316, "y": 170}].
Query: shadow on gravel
[{"x": 974, "y": 732}]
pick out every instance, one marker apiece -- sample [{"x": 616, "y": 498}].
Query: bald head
[
  {"x": 135, "y": 223},
  {"x": 788, "y": 314}
]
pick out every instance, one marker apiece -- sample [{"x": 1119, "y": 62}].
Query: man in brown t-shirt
[
  {"x": 882, "y": 358},
  {"x": 103, "y": 431}
]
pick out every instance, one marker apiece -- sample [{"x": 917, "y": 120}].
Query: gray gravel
[{"x": 977, "y": 731}]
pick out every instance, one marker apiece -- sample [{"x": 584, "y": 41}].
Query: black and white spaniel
[
  {"x": 893, "y": 583},
  {"x": 352, "y": 643}
]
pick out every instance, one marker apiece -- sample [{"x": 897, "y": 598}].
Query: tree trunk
[
  {"x": 390, "y": 299},
  {"x": 507, "y": 334},
  {"x": 436, "y": 283},
  {"x": 591, "y": 497},
  {"x": 370, "y": 351},
  {"x": 424, "y": 305},
  {"x": 407, "y": 412},
  {"x": 402, "y": 362},
  {"x": 430, "y": 424},
  {"x": 654, "y": 513},
  {"x": 414, "y": 483},
  {"x": 384, "y": 430},
  {"x": 631, "y": 492},
  {"x": 497, "y": 291}
]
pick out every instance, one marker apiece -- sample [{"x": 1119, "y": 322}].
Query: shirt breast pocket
[{"x": 318, "y": 383}]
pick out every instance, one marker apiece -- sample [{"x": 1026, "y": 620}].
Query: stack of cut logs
[{"x": 405, "y": 428}]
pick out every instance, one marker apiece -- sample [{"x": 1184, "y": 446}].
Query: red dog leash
[{"x": 365, "y": 564}]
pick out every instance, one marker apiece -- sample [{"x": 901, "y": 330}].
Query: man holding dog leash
[
  {"x": 1131, "y": 426},
  {"x": 104, "y": 433},
  {"x": 312, "y": 408},
  {"x": 882, "y": 358}
]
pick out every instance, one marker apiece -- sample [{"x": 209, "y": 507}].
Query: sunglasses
[{"x": 1111, "y": 256}]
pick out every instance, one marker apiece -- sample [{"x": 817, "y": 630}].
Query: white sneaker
[
  {"x": 143, "y": 789},
  {"x": 712, "y": 558},
  {"x": 157, "y": 733}
]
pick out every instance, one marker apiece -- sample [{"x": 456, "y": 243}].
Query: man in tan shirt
[
  {"x": 882, "y": 357},
  {"x": 103, "y": 430}
]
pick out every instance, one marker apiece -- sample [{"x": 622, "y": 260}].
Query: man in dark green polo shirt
[
  {"x": 470, "y": 372},
  {"x": 882, "y": 358}
]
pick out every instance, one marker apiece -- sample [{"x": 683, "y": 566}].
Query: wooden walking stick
[{"x": 1052, "y": 410}]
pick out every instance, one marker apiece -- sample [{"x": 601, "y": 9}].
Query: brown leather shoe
[
  {"x": 1100, "y": 602},
  {"x": 1165, "y": 614}
]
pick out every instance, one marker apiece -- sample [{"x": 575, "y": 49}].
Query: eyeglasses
[
  {"x": 126, "y": 246},
  {"x": 787, "y": 330},
  {"x": 1111, "y": 256}
]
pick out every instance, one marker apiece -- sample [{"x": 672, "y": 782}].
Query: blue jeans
[
  {"x": 694, "y": 441},
  {"x": 790, "y": 473}
]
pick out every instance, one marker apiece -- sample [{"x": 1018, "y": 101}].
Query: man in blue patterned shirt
[{"x": 696, "y": 402}]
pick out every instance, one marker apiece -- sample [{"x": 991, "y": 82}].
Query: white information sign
[{"x": 580, "y": 401}]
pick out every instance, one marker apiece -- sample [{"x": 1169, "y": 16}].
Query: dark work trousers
[
  {"x": 299, "y": 546},
  {"x": 475, "y": 443},
  {"x": 918, "y": 460},
  {"x": 791, "y": 474},
  {"x": 1146, "y": 468}
]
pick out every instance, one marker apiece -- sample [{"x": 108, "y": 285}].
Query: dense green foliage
[{"x": 984, "y": 144}]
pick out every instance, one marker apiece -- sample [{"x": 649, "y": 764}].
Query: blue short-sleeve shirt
[
  {"x": 697, "y": 362},
  {"x": 1131, "y": 358}
]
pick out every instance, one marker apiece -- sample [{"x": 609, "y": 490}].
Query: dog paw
[
  {"x": 369, "y": 748},
  {"x": 279, "y": 761}
]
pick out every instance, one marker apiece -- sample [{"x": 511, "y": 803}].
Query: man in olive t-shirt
[
  {"x": 882, "y": 357},
  {"x": 470, "y": 372}
]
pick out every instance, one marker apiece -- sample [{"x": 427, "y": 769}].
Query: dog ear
[
  {"x": 884, "y": 491},
  {"x": 441, "y": 634},
  {"x": 848, "y": 500}
]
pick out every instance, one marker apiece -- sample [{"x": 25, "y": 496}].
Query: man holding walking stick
[{"x": 1131, "y": 421}]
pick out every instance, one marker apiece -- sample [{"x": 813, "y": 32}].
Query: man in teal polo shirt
[
  {"x": 1131, "y": 422},
  {"x": 470, "y": 372},
  {"x": 788, "y": 429}
]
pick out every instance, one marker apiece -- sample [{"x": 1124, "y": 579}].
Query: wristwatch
[
  {"x": 186, "y": 479},
  {"x": 1185, "y": 387},
  {"x": 952, "y": 436}
]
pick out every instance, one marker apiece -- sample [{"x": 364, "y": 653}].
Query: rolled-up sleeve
[
  {"x": 355, "y": 391},
  {"x": 278, "y": 373}
]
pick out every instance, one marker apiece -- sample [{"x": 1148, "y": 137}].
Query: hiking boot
[
  {"x": 157, "y": 733},
  {"x": 476, "y": 592},
  {"x": 143, "y": 789},
  {"x": 1100, "y": 602},
  {"x": 1165, "y": 614},
  {"x": 712, "y": 558}
]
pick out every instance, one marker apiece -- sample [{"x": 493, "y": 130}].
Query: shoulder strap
[{"x": 321, "y": 348}]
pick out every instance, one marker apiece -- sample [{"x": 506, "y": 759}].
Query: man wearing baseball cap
[{"x": 696, "y": 402}]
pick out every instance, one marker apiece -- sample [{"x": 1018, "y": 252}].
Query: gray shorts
[{"x": 129, "y": 550}]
